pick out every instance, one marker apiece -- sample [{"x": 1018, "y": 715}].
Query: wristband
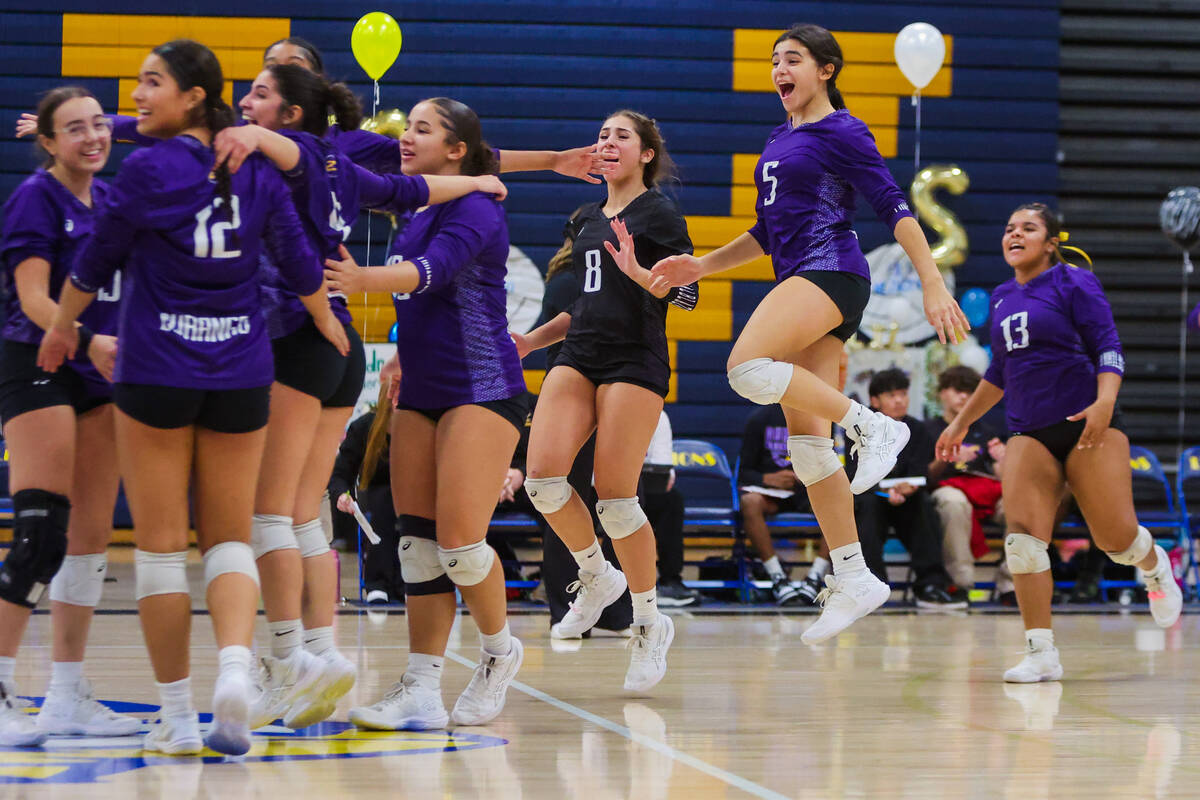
[{"x": 85, "y": 340}]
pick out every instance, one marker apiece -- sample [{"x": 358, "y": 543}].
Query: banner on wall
[{"x": 377, "y": 356}]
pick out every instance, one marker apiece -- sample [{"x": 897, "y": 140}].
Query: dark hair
[
  {"x": 462, "y": 125},
  {"x": 824, "y": 50},
  {"x": 310, "y": 52},
  {"x": 887, "y": 380},
  {"x": 960, "y": 377},
  {"x": 45, "y": 112},
  {"x": 563, "y": 258},
  {"x": 661, "y": 168},
  {"x": 317, "y": 98},
  {"x": 192, "y": 64}
]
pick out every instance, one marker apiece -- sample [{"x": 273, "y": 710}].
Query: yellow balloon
[
  {"x": 951, "y": 250},
  {"x": 376, "y": 43}
]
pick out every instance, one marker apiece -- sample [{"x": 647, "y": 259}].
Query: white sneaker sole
[
  {"x": 1054, "y": 675},
  {"x": 230, "y": 732},
  {"x": 574, "y": 630},
  {"x": 175, "y": 747},
  {"x": 663, "y": 619},
  {"x": 363, "y": 718},
  {"x": 318, "y": 705},
  {"x": 815, "y": 635},
  {"x": 61, "y": 728},
  {"x": 31, "y": 739},
  {"x": 865, "y": 479}
]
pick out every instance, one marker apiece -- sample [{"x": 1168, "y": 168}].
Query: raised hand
[{"x": 583, "y": 163}]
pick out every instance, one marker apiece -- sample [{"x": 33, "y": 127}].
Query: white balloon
[{"x": 920, "y": 51}]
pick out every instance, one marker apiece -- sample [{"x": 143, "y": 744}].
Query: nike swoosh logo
[{"x": 847, "y": 558}]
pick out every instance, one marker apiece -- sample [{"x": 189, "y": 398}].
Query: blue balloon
[
  {"x": 396, "y": 328},
  {"x": 975, "y": 303}
]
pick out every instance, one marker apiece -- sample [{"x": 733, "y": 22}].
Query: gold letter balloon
[{"x": 952, "y": 248}]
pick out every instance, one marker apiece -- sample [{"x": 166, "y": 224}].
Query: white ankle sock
[
  {"x": 176, "y": 698},
  {"x": 285, "y": 637},
  {"x": 820, "y": 566},
  {"x": 848, "y": 559},
  {"x": 318, "y": 640},
  {"x": 645, "y": 607},
  {"x": 498, "y": 643},
  {"x": 1039, "y": 638},
  {"x": 425, "y": 670},
  {"x": 591, "y": 560},
  {"x": 65, "y": 675},
  {"x": 857, "y": 415},
  {"x": 773, "y": 567},
  {"x": 235, "y": 658},
  {"x": 8, "y": 668}
]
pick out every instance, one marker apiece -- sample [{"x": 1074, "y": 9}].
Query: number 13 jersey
[
  {"x": 618, "y": 329},
  {"x": 1051, "y": 336}
]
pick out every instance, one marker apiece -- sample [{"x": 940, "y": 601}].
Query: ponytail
[
  {"x": 376, "y": 438},
  {"x": 316, "y": 98},
  {"x": 462, "y": 125},
  {"x": 217, "y": 117}
]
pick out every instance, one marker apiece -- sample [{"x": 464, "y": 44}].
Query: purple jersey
[
  {"x": 452, "y": 332},
  {"x": 192, "y": 314},
  {"x": 807, "y": 178},
  {"x": 42, "y": 219},
  {"x": 1050, "y": 338},
  {"x": 328, "y": 189}
]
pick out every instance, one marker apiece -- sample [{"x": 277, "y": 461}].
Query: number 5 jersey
[{"x": 1051, "y": 336}]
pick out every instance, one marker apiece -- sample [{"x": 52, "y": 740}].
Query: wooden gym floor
[{"x": 904, "y": 705}]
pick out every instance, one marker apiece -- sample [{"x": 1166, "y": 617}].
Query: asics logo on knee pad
[
  {"x": 548, "y": 495},
  {"x": 467, "y": 565},
  {"x": 620, "y": 517}
]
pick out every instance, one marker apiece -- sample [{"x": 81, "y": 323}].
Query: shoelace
[
  {"x": 832, "y": 585},
  {"x": 579, "y": 589}
]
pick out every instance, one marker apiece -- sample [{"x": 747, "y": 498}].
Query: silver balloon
[{"x": 1179, "y": 217}]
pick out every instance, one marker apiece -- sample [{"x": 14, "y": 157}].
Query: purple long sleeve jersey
[
  {"x": 43, "y": 219},
  {"x": 192, "y": 313},
  {"x": 1050, "y": 339},
  {"x": 328, "y": 189},
  {"x": 452, "y": 333},
  {"x": 807, "y": 180}
]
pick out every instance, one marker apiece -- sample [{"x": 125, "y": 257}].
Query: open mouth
[
  {"x": 1014, "y": 248},
  {"x": 249, "y": 119},
  {"x": 786, "y": 89}
]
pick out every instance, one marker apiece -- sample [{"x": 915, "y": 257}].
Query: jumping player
[
  {"x": 1057, "y": 362},
  {"x": 192, "y": 376},
  {"x": 610, "y": 377},
  {"x": 812, "y": 169}
]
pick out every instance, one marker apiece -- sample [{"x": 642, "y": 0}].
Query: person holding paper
[{"x": 901, "y": 502}]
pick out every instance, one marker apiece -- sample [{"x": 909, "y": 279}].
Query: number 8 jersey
[
  {"x": 618, "y": 329},
  {"x": 1051, "y": 336}
]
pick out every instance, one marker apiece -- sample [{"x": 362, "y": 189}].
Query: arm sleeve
[
  {"x": 395, "y": 193},
  {"x": 349, "y": 460},
  {"x": 374, "y": 151},
  {"x": 299, "y": 267},
  {"x": 1094, "y": 320},
  {"x": 751, "y": 456},
  {"x": 125, "y": 130},
  {"x": 1193, "y": 320},
  {"x": 667, "y": 235},
  {"x": 31, "y": 226},
  {"x": 129, "y": 207},
  {"x": 855, "y": 158},
  {"x": 995, "y": 370},
  {"x": 464, "y": 229}
]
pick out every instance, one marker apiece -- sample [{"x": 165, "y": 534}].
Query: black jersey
[{"x": 614, "y": 315}]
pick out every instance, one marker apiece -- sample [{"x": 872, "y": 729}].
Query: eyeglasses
[{"x": 80, "y": 131}]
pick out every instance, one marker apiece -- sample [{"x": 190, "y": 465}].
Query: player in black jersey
[{"x": 611, "y": 377}]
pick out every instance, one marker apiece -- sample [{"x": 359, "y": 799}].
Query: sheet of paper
[{"x": 780, "y": 494}]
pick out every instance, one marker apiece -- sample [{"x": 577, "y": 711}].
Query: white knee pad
[
  {"x": 1026, "y": 554},
  {"x": 548, "y": 494},
  {"x": 80, "y": 580},
  {"x": 813, "y": 458},
  {"x": 469, "y": 565},
  {"x": 621, "y": 516},
  {"x": 419, "y": 560},
  {"x": 1142, "y": 544},
  {"x": 226, "y": 557},
  {"x": 761, "y": 380},
  {"x": 160, "y": 573},
  {"x": 310, "y": 538},
  {"x": 271, "y": 532}
]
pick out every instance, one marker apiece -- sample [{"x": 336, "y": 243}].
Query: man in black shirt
[{"x": 904, "y": 505}]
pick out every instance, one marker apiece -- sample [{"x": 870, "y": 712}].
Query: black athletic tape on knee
[
  {"x": 39, "y": 545},
  {"x": 420, "y": 527},
  {"x": 439, "y": 585}
]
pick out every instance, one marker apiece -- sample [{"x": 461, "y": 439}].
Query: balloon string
[
  {"x": 367, "y": 260},
  {"x": 916, "y": 101},
  {"x": 1183, "y": 313}
]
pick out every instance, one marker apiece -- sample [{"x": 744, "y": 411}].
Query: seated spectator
[
  {"x": 362, "y": 470},
  {"x": 905, "y": 505},
  {"x": 965, "y": 493},
  {"x": 767, "y": 486},
  {"x": 663, "y": 504}
]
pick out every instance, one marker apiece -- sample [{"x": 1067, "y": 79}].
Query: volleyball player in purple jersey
[
  {"x": 316, "y": 388},
  {"x": 58, "y": 427},
  {"x": 812, "y": 169},
  {"x": 192, "y": 376},
  {"x": 459, "y": 414},
  {"x": 1057, "y": 362},
  {"x": 610, "y": 378}
]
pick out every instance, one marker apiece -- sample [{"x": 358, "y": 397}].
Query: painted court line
[{"x": 737, "y": 781}]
